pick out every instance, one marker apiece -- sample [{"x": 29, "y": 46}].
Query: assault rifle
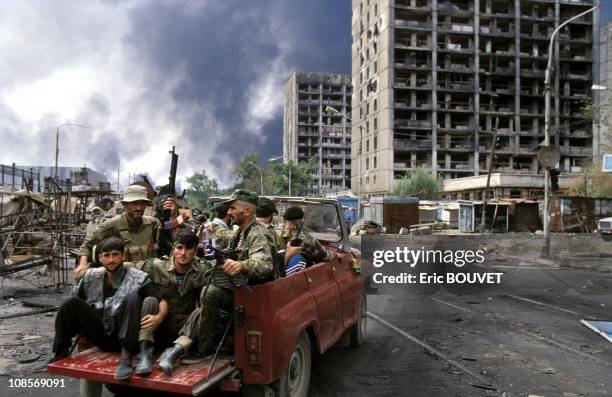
[
  {"x": 221, "y": 256},
  {"x": 165, "y": 216}
]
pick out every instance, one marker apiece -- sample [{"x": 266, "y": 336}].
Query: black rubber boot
[
  {"x": 124, "y": 368},
  {"x": 145, "y": 359},
  {"x": 168, "y": 357}
]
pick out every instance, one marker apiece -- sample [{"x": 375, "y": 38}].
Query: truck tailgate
[{"x": 99, "y": 366}]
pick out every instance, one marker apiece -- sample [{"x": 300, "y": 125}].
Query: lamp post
[
  {"x": 332, "y": 110},
  {"x": 57, "y": 144},
  {"x": 260, "y": 175},
  {"x": 547, "y": 90}
]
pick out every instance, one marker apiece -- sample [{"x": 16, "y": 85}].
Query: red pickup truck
[{"x": 278, "y": 325}]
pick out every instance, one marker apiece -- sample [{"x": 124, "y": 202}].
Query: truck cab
[{"x": 277, "y": 325}]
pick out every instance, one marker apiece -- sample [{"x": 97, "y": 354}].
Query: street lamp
[
  {"x": 260, "y": 175},
  {"x": 57, "y": 143},
  {"x": 332, "y": 110},
  {"x": 547, "y": 90},
  {"x": 598, "y": 88}
]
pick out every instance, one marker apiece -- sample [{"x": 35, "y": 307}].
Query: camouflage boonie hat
[
  {"x": 135, "y": 193},
  {"x": 243, "y": 195}
]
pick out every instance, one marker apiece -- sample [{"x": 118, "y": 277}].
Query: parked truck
[{"x": 277, "y": 326}]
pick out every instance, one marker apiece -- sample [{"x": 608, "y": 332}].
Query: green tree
[
  {"x": 248, "y": 172},
  {"x": 594, "y": 182},
  {"x": 277, "y": 177},
  {"x": 201, "y": 187},
  {"x": 423, "y": 184}
]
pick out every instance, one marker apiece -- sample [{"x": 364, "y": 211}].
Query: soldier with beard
[
  {"x": 139, "y": 232},
  {"x": 115, "y": 307},
  {"x": 254, "y": 245}
]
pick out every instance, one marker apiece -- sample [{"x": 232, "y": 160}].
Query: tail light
[{"x": 253, "y": 348}]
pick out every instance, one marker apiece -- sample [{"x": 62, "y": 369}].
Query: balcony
[
  {"x": 458, "y": 147},
  {"x": 576, "y": 151},
  {"x": 400, "y": 123},
  {"x": 490, "y": 31},
  {"x": 416, "y": 25},
  {"x": 407, "y": 44},
  {"x": 413, "y": 64},
  {"x": 407, "y": 105},
  {"x": 406, "y": 165},
  {"x": 412, "y": 144},
  {"x": 456, "y": 28},
  {"x": 532, "y": 73},
  {"x": 407, "y": 84},
  {"x": 444, "y": 86}
]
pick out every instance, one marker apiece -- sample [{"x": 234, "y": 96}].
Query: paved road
[{"x": 522, "y": 337}]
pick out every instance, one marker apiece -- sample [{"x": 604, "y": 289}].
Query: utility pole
[
  {"x": 489, "y": 167},
  {"x": 289, "y": 179},
  {"x": 57, "y": 143},
  {"x": 547, "y": 128},
  {"x": 118, "y": 174}
]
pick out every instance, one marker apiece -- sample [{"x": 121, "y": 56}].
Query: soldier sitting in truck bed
[
  {"x": 180, "y": 279},
  {"x": 303, "y": 249},
  {"x": 254, "y": 244}
]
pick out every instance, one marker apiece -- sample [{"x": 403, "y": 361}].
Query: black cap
[
  {"x": 186, "y": 237},
  {"x": 221, "y": 210},
  {"x": 293, "y": 214},
  {"x": 265, "y": 207}
]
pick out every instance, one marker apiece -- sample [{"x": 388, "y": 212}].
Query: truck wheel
[
  {"x": 295, "y": 380},
  {"x": 357, "y": 331}
]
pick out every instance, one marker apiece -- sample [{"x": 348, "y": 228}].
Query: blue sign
[{"x": 607, "y": 163}]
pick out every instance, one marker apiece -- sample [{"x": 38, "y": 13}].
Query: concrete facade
[
  {"x": 309, "y": 131},
  {"x": 502, "y": 186},
  {"x": 601, "y": 130},
  {"x": 431, "y": 79}
]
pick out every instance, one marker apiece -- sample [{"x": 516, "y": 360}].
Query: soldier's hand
[
  {"x": 150, "y": 322},
  {"x": 291, "y": 251},
  {"x": 80, "y": 270},
  {"x": 128, "y": 264},
  {"x": 170, "y": 204},
  {"x": 232, "y": 267}
]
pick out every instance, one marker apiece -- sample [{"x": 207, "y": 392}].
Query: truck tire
[
  {"x": 357, "y": 331},
  {"x": 294, "y": 381}
]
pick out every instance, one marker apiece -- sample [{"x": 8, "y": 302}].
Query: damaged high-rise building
[
  {"x": 431, "y": 79},
  {"x": 316, "y": 127}
]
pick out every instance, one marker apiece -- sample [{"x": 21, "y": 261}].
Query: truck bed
[{"x": 99, "y": 366}]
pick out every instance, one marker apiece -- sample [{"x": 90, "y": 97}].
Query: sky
[{"x": 205, "y": 76}]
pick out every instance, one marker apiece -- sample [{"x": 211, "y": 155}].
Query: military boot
[
  {"x": 166, "y": 360},
  {"x": 145, "y": 359},
  {"x": 124, "y": 368}
]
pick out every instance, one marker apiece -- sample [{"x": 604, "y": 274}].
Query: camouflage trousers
[{"x": 205, "y": 325}]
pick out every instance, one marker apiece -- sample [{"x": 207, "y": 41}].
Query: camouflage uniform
[
  {"x": 220, "y": 234},
  {"x": 279, "y": 244},
  {"x": 312, "y": 249},
  {"x": 255, "y": 252},
  {"x": 140, "y": 244},
  {"x": 181, "y": 301}
]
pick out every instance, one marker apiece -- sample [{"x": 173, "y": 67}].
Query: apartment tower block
[
  {"x": 316, "y": 127},
  {"x": 433, "y": 79}
]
